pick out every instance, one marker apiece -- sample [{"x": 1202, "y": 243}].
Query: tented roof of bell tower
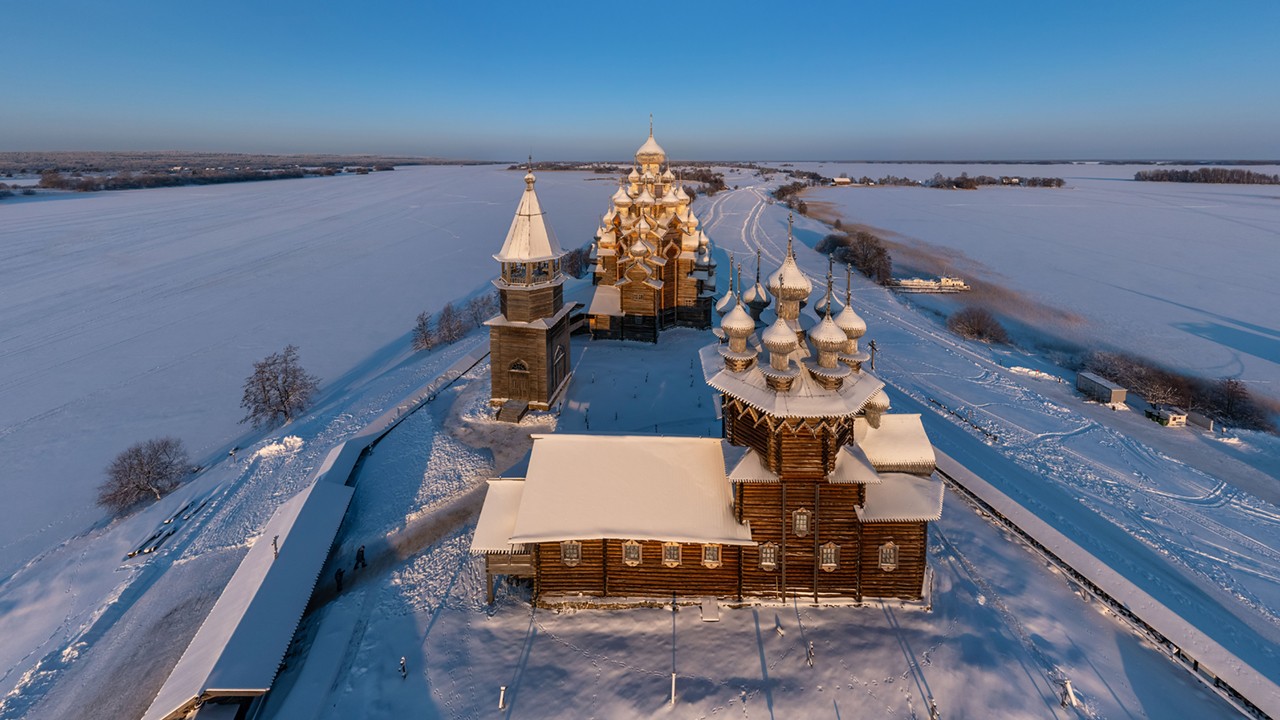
[{"x": 530, "y": 238}]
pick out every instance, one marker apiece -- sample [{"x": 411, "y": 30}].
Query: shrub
[{"x": 975, "y": 323}]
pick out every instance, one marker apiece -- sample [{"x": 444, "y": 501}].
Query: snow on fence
[
  {"x": 239, "y": 646},
  {"x": 1217, "y": 667}
]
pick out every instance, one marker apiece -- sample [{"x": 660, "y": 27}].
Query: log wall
[
  {"x": 526, "y": 305},
  {"x": 907, "y": 580}
]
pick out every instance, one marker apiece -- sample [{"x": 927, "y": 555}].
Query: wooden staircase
[{"x": 512, "y": 411}]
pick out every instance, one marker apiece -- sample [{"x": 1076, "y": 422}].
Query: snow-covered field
[
  {"x": 144, "y": 335},
  {"x": 1182, "y": 273},
  {"x": 131, "y": 315}
]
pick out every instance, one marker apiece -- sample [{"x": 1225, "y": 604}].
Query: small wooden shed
[{"x": 1100, "y": 388}]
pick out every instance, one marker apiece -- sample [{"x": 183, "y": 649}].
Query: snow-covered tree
[
  {"x": 423, "y": 339},
  {"x": 278, "y": 388},
  {"x": 147, "y": 470}
]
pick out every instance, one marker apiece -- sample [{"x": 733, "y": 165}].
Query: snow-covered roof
[
  {"x": 903, "y": 498},
  {"x": 238, "y": 648},
  {"x": 805, "y": 398},
  {"x": 650, "y": 150},
  {"x": 853, "y": 467},
  {"x": 530, "y": 238},
  {"x": 586, "y": 487},
  {"x": 498, "y": 518},
  {"x": 751, "y": 469},
  {"x": 607, "y": 300},
  {"x": 900, "y": 443}
]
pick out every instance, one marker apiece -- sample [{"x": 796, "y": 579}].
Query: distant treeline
[
  {"x": 1233, "y": 176},
  {"x": 100, "y": 162},
  {"x": 54, "y": 180}
]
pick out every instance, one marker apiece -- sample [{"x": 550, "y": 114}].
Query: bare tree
[
  {"x": 450, "y": 326},
  {"x": 150, "y": 469},
  {"x": 481, "y": 308},
  {"x": 278, "y": 388},
  {"x": 423, "y": 339}
]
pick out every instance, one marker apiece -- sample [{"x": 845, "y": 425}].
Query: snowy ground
[
  {"x": 1175, "y": 511},
  {"x": 1004, "y": 632}
]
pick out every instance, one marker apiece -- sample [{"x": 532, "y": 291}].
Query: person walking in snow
[
  {"x": 404, "y": 671},
  {"x": 809, "y": 659},
  {"x": 338, "y": 578},
  {"x": 359, "y": 559}
]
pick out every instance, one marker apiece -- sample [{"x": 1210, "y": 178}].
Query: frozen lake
[{"x": 1182, "y": 273}]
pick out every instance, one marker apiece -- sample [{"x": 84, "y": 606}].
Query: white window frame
[
  {"x": 769, "y": 556},
  {"x": 796, "y": 524},
  {"x": 571, "y": 552},
  {"x": 711, "y": 555},
  {"x": 829, "y": 557},
  {"x": 631, "y": 547},
  {"x": 889, "y": 556},
  {"x": 671, "y": 554}
]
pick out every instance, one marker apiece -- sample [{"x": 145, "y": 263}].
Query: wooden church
[
  {"x": 815, "y": 491},
  {"x": 529, "y": 339},
  {"x": 652, "y": 265}
]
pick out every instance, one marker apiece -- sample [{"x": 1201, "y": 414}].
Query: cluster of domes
[{"x": 833, "y": 338}]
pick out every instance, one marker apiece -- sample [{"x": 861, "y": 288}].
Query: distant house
[
  {"x": 1100, "y": 388},
  {"x": 842, "y": 181}
]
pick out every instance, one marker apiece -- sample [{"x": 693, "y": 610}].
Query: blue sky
[{"x": 841, "y": 80}]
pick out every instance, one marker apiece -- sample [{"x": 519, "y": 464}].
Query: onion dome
[
  {"x": 621, "y": 198},
  {"x": 634, "y": 177},
  {"x": 644, "y": 225},
  {"x": 827, "y": 300},
  {"x": 690, "y": 220},
  {"x": 779, "y": 339},
  {"x": 826, "y": 337},
  {"x": 737, "y": 323},
  {"x": 651, "y": 153},
  {"x": 644, "y": 198},
  {"x": 789, "y": 282},
  {"x": 610, "y": 215},
  {"x": 851, "y": 323},
  {"x": 667, "y": 175},
  {"x": 757, "y": 299},
  {"x": 728, "y": 302},
  {"x": 670, "y": 199},
  {"x": 681, "y": 195},
  {"x": 640, "y": 249}
]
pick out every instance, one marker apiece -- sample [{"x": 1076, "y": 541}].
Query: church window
[
  {"x": 768, "y": 556},
  {"x": 571, "y": 552},
  {"x": 631, "y": 553},
  {"x": 520, "y": 366},
  {"x": 800, "y": 522},
  {"x": 671, "y": 554},
  {"x": 711, "y": 556},
  {"x": 888, "y": 556},
  {"x": 829, "y": 557}
]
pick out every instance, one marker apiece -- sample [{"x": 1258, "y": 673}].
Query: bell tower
[{"x": 529, "y": 341}]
